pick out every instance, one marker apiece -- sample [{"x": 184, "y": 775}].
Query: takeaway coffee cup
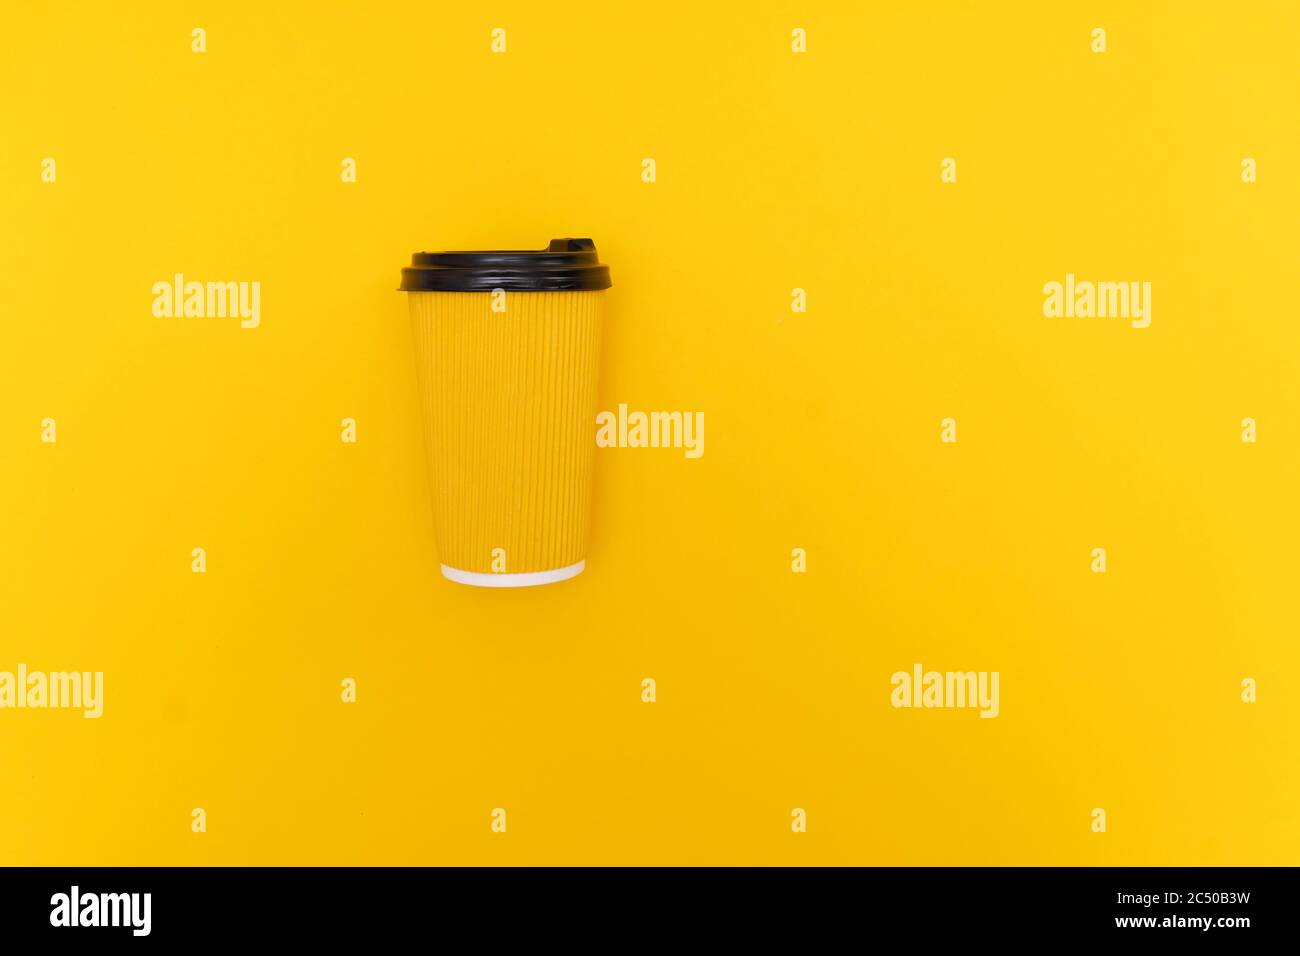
[{"x": 507, "y": 348}]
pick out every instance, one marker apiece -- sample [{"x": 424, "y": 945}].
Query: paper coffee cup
[{"x": 507, "y": 348}]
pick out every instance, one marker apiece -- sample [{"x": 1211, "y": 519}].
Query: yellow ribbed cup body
[{"x": 509, "y": 407}]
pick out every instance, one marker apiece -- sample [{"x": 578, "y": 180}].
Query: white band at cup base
[{"x": 526, "y": 579}]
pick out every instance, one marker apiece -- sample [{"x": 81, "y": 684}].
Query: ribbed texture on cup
[{"x": 509, "y": 410}]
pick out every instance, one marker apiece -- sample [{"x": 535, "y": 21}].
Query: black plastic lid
[{"x": 566, "y": 265}]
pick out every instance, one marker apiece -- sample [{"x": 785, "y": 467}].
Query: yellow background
[{"x": 775, "y": 171}]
